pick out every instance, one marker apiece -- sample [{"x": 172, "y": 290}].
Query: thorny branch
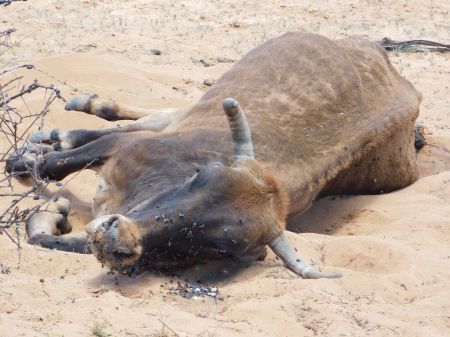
[{"x": 16, "y": 120}]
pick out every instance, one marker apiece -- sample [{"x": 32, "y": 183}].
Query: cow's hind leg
[
  {"x": 387, "y": 167},
  {"x": 106, "y": 108},
  {"x": 45, "y": 228}
]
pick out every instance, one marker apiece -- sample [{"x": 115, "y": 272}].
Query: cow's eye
[
  {"x": 205, "y": 174},
  {"x": 200, "y": 179}
]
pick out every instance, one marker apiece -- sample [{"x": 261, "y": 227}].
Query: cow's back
[{"x": 314, "y": 106}]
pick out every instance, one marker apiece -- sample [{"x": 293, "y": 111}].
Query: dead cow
[{"x": 326, "y": 117}]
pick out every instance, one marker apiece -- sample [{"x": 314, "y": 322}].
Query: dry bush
[{"x": 16, "y": 121}]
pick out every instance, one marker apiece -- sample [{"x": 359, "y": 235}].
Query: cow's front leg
[
  {"x": 58, "y": 165},
  {"x": 46, "y": 226}
]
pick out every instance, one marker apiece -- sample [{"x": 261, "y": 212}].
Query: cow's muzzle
[{"x": 115, "y": 240}]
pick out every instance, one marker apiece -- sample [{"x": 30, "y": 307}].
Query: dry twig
[
  {"x": 9, "y": 2},
  {"x": 16, "y": 120},
  {"x": 413, "y": 46}
]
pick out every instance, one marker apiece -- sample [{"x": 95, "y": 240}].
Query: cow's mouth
[{"x": 115, "y": 241}]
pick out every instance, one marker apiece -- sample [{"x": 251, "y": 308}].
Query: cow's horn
[
  {"x": 240, "y": 131},
  {"x": 287, "y": 254}
]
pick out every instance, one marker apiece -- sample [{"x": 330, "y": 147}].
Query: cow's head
[{"x": 221, "y": 211}]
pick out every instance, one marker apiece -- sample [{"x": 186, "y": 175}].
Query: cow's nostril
[
  {"x": 112, "y": 221},
  {"x": 115, "y": 223}
]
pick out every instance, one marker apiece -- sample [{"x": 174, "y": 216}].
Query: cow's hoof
[
  {"x": 48, "y": 139},
  {"x": 420, "y": 138},
  {"x": 54, "y": 140},
  {"x": 92, "y": 104},
  {"x": 81, "y": 103},
  {"x": 115, "y": 241},
  {"x": 49, "y": 220},
  {"x": 45, "y": 137},
  {"x": 21, "y": 163}
]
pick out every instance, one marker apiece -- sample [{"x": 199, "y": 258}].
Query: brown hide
[{"x": 317, "y": 107}]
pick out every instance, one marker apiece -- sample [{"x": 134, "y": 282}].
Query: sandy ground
[{"x": 394, "y": 249}]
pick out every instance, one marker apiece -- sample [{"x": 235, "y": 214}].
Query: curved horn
[
  {"x": 287, "y": 254},
  {"x": 240, "y": 131}
]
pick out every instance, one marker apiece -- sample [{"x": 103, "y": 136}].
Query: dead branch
[
  {"x": 413, "y": 46},
  {"x": 9, "y": 2},
  {"x": 5, "y": 43},
  {"x": 16, "y": 121},
  {"x": 26, "y": 90},
  {"x": 26, "y": 66},
  {"x": 7, "y": 32}
]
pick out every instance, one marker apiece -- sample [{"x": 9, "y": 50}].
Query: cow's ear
[{"x": 240, "y": 130}]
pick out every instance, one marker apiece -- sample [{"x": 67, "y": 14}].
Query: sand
[{"x": 393, "y": 249}]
